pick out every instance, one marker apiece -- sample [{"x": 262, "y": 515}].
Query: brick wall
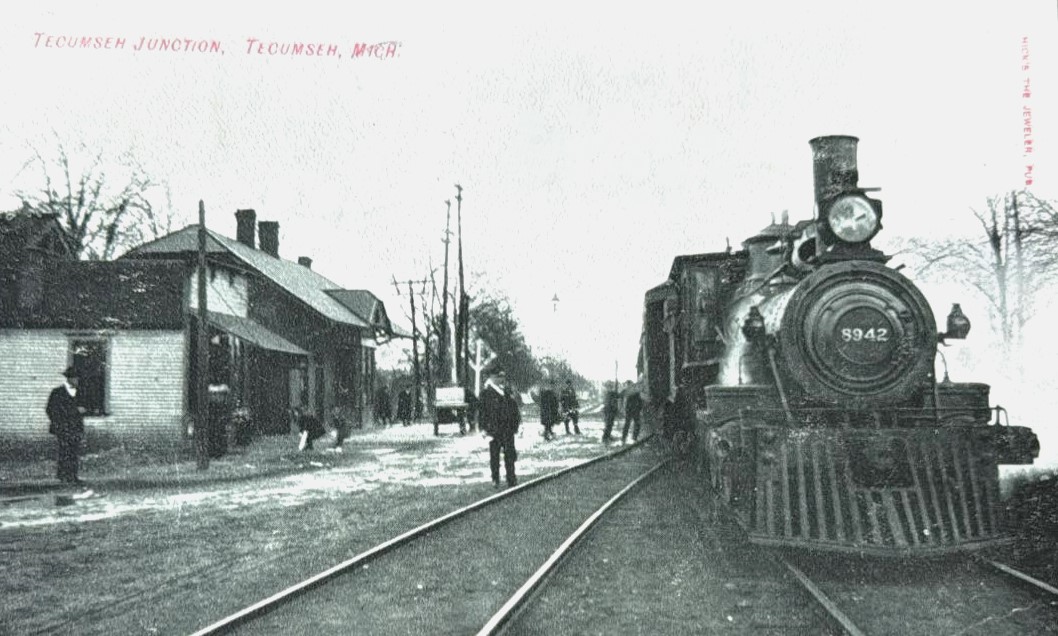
[{"x": 145, "y": 385}]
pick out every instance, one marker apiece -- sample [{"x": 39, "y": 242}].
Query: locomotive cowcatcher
[{"x": 803, "y": 367}]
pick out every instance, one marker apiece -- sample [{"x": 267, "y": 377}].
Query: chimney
[
  {"x": 245, "y": 221},
  {"x": 269, "y": 231},
  {"x": 305, "y": 261},
  {"x": 834, "y": 165}
]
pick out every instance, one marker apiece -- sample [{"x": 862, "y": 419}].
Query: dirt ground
[
  {"x": 1032, "y": 516},
  {"x": 171, "y": 560}
]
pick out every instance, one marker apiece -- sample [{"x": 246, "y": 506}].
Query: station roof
[{"x": 300, "y": 281}]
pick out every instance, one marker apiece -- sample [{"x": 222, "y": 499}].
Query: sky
[{"x": 594, "y": 143}]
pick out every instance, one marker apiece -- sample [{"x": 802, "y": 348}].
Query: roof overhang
[{"x": 254, "y": 333}]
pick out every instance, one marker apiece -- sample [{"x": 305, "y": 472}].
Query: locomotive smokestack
[{"x": 834, "y": 165}]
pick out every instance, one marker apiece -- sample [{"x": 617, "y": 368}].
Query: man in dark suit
[
  {"x": 382, "y": 406},
  {"x": 570, "y": 407},
  {"x": 548, "y": 409},
  {"x": 610, "y": 407},
  {"x": 67, "y": 425},
  {"x": 500, "y": 419},
  {"x": 404, "y": 407},
  {"x": 633, "y": 409}
]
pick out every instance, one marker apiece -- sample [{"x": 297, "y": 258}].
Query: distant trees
[
  {"x": 105, "y": 206},
  {"x": 1014, "y": 256},
  {"x": 492, "y": 320},
  {"x": 560, "y": 370}
]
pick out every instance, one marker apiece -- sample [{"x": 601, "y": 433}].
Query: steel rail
[
  {"x": 514, "y": 604},
  {"x": 1006, "y": 569},
  {"x": 263, "y": 606},
  {"x": 832, "y": 609}
]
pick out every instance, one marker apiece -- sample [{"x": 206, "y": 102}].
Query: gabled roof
[
  {"x": 370, "y": 308},
  {"x": 359, "y": 301},
  {"x": 300, "y": 281},
  {"x": 364, "y": 304},
  {"x": 400, "y": 332}
]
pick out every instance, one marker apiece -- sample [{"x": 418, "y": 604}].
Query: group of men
[
  {"x": 384, "y": 411},
  {"x": 564, "y": 407},
  {"x": 500, "y": 418},
  {"x": 550, "y": 413},
  {"x": 633, "y": 409}
]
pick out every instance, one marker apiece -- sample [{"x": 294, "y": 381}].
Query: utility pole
[
  {"x": 427, "y": 371},
  {"x": 461, "y": 324},
  {"x": 414, "y": 343},
  {"x": 202, "y": 351},
  {"x": 442, "y": 342}
]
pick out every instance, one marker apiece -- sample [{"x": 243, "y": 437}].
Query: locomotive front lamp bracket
[{"x": 958, "y": 325}]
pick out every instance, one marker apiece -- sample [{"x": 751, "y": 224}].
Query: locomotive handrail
[{"x": 779, "y": 385}]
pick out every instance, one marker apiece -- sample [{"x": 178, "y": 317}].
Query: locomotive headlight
[{"x": 853, "y": 219}]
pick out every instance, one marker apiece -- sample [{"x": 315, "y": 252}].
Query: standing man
[
  {"x": 500, "y": 419},
  {"x": 570, "y": 407},
  {"x": 633, "y": 407},
  {"x": 548, "y": 409},
  {"x": 404, "y": 407},
  {"x": 67, "y": 425},
  {"x": 382, "y": 406},
  {"x": 219, "y": 416},
  {"x": 609, "y": 410}
]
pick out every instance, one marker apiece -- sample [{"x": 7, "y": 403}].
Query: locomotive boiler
[{"x": 803, "y": 366}]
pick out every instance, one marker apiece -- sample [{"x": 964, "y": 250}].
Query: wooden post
[
  {"x": 202, "y": 351},
  {"x": 417, "y": 375},
  {"x": 461, "y": 354},
  {"x": 427, "y": 371},
  {"x": 415, "y": 354},
  {"x": 479, "y": 365},
  {"x": 442, "y": 342}
]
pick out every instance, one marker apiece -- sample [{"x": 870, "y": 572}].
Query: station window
[{"x": 89, "y": 356}]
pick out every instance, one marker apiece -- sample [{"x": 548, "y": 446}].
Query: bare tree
[
  {"x": 105, "y": 206},
  {"x": 1011, "y": 261}
]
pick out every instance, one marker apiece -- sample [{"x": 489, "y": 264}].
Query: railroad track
[
  {"x": 954, "y": 596},
  {"x": 452, "y": 569},
  {"x": 764, "y": 591}
]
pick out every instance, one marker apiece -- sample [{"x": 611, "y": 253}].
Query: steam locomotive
[{"x": 803, "y": 368}]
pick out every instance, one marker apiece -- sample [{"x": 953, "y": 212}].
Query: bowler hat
[{"x": 71, "y": 372}]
